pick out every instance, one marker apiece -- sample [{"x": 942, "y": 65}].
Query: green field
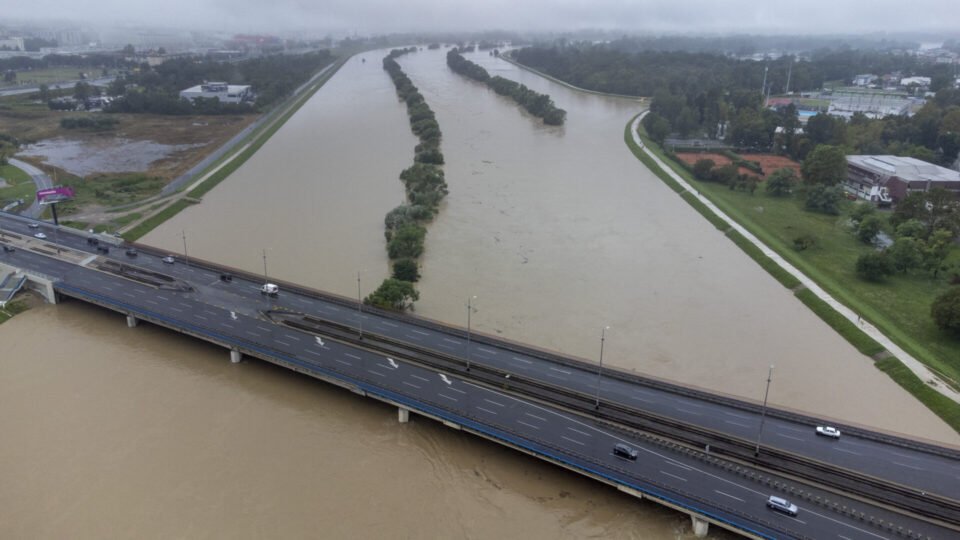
[
  {"x": 19, "y": 185},
  {"x": 899, "y": 307},
  {"x": 48, "y": 76}
]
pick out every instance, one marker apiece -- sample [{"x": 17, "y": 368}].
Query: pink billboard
[{"x": 54, "y": 194}]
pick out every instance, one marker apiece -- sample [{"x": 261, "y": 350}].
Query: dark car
[
  {"x": 625, "y": 452},
  {"x": 8, "y": 249},
  {"x": 131, "y": 252}
]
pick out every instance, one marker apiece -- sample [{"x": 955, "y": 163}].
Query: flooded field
[
  {"x": 103, "y": 155},
  {"x": 558, "y": 231}
]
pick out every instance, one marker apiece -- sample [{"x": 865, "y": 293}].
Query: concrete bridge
[{"x": 695, "y": 449}]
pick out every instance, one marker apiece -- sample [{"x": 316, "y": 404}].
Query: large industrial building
[
  {"x": 897, "y": 176},
  {"x": 226, "y": 93}
]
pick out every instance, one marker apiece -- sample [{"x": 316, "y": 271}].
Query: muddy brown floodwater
[{"x": 116, "y": 432}]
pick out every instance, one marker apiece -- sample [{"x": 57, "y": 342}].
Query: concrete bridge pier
[
  {"x": 403, "y": 415},
  {"x": 700, "y": 526},
  {"x": 235, "y": 356},
  {"x": 132, "y": 321}
]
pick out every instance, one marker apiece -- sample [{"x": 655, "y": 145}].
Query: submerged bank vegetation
[
  {"x": 425, "y": 187},
  {"x": 537, "y": 104}
]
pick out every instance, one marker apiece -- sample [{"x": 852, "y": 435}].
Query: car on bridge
[
  {"x": 40, "y": 235},
  {"x": 168, "y": 259},
  {"x": 269, "y": 289},
  {"x": 782, "y": 505},
  {"x": 828, "y": 431},
  {"x": 34, "y": 225},
  {"x": 625, "y": 452}
]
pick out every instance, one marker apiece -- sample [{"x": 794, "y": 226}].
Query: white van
[{"x": 269, "y": 289}]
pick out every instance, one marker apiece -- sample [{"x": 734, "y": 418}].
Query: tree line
[
  {"x": 537, "y": 104},
  {"x": 718, "y": 97},
  {"x": 157, "y": 90},
  {"x": 425, "y": 188}
]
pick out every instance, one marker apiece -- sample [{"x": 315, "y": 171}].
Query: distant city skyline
[{"x": 376, "y": 16}]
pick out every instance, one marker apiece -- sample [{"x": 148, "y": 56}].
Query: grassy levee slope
[{"x": 899, "y": 309}]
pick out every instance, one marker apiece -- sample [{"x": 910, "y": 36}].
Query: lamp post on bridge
[
  {"x": 186, "y": 260},
  {"x": 359, "y": 306},
  {"x": 603, "y": 337},
  {"x": 469, "y": 311},
  {"x": 265, "y": 279},
  {"x": 763, "y": 412}
]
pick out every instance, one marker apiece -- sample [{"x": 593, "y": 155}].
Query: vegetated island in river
[
  {"x": 425, "y": 188},
  {"x": 537, "y": 104}
]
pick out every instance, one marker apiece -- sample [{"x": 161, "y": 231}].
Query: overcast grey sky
[{"x": 378, "y": 16}]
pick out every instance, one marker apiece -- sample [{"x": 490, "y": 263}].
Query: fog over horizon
[{"x": 364, "y": 17}]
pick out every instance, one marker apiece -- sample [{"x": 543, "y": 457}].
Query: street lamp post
[
  {"x": 265, "y": 279},
  {"x": 763, "y": 412},
  {"x": 603, "y": 337},
  {"x": 359, "y": 306},
  {"x": 186, "y": 260},
  {"x": 469, "y": 310}
]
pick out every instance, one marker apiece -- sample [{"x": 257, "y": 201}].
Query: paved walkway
[
  {"x": 917, "y": 367},
  {"x": 40, "y": 178}
]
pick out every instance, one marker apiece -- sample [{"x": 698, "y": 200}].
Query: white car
[
  {"x": 34, "y": 226},
  {"x": 828, "y": 431},
  {"x": 40, "y": 235},
  {"x": 168, "y": 259},
  {"x": 782, "y": 505}
]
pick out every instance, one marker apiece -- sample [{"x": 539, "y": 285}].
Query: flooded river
[{"x": 116, "y": 432}]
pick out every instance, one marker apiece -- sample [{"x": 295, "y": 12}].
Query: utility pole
[
  {"x": 763, "y": 412},
  {"x": 186, "y": 261}
]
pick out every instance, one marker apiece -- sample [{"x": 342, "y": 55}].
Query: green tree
[
  {"x": 825, "y": 165},
  {"x": 726, "y": 175},
  {"x": 820, "y": 129},
  {"x": 657, "y": 127},
  {"x": 912, "y": 228},
  {"x": 44, "y": 93},
  {"x": 945, "y": 311},
  {"x": 81, "y": 91},
  {"x": 936, "y": 209},
  {"x": 869, "y": 228},
  {"x": 873, "y": 266},
  {"x": 407, "y": 241},
  {"x": 936, "y": 249},
  {"x": 702, "y": 169},
  {"x": 824, "y": 199},
  {"x": 861, "y": 211},
  {"x": 129, "y": 50},
  {"x": 393, "y": 294},
  {"x": 406, "y": 270},
  {"x": 781, "y": 182},
  {"x": 905, "y": 254}
]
